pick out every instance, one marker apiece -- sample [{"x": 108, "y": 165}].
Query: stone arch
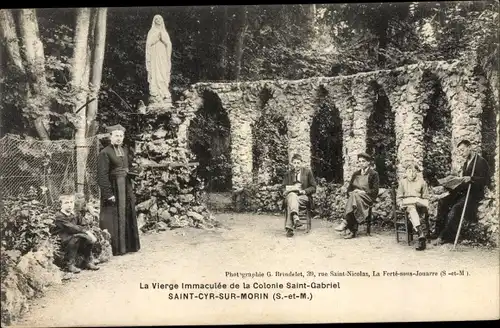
[
  {"x": 269, "y": 141},
  {"x": 209, "y": 141},
  {"x": 327, "y": 139},
  {"x": 381, "y": 136},
  {"x": 437, "y": 128}
]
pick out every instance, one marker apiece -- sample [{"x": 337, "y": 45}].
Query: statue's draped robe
[
  {"x": 158, "y": 62},
  {"x": 118, "y": 217}
]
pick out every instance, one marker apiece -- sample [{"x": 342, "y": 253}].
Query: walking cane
[{"x": 465, "y": 204}]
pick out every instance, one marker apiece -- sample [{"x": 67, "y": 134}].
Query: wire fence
[{"x": 42, "y": 170}]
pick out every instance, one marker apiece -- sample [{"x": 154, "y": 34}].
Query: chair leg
[
  {"x": 427, "y": 226},
  {"x": 308, "y": 221},
  {"x": 368, "y": 225},
  {"x": 407, "y": 228}
]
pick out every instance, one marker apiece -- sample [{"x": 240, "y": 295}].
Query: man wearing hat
[
  {"x": 117, "y": 214},
  {"x": 362, "y": 191}
]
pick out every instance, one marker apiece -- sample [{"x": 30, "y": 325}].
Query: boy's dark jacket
[{"x": 66, "y": 225}]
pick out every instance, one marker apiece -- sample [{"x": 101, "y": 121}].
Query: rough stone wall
[
  {"x": 187, "y": 108},
  {"x": 465, "y": 97},
  {"x": 355, "y": 99},
  {"x": 364, "y": 99},
  {"x": 241, "y": 107},
  {"x": 26, "y": 277},
  {"x": 408, "y": 118},
  {"x": 344, "y": 101}
]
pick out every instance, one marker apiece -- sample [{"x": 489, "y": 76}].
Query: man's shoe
[
  {"x": 349, "y": 235},
  {"x": 289, "y": 233},
  {"x": 421, "y": 244},
  {"x": 91, "y": 266},
  {"x": 73, "y": 269},
  {"x": 342, "y": 226},
  {"x": 439, "y": 241},
  {"x": 296, "y": 220}
]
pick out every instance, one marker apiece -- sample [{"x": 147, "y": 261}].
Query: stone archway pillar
[
  {"x": 408, "y": 120},
  {"x": 241, "y": 151},
  {"x": 242, "y": 114},
  {"x": 299, "y": 136},
  {"x": 466, "y": 102},
  {"x": 342, "y": 98},
  {"x": 364, "y": 100}
]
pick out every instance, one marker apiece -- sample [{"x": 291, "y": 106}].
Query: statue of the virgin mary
[{"x": 158, "y": 61}]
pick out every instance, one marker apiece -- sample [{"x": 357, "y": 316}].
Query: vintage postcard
[{"x": 249, "y": 164}]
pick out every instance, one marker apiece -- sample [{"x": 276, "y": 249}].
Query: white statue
[{"x": 158, "y": 61}]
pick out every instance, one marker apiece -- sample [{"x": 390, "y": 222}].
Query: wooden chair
[
  {"x": 369, "y": 221},
  {"x": 402, "y": 224}
]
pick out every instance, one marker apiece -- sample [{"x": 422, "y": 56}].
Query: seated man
[
  {"x": 299, "y": 186},
  {"x": 413, "y": 197},
  {"x": 74, "y": 238},
  {"x": 362, "y": 191},
  {"x": 476, "y": 173}
]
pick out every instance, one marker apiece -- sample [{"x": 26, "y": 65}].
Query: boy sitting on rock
[{"x": 75, "y": 238}]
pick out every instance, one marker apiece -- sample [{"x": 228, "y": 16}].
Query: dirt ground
[{"x": 257, "y": 243}]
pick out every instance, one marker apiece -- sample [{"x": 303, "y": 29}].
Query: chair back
[{"x": 394, "y": 204}]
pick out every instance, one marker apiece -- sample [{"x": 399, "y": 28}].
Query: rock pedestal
[{"x": 169, "y": 195}]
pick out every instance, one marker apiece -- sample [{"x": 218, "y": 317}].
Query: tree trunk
[
  {"x": 35, "y": 59},
  {"x": 80, "y": 72},
  {"x": 10, "y": 38},
  {"x": 240, "y": 42},
  {"x": 97, "y": 63}
]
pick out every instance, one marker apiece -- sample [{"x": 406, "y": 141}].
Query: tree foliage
[{"x": 249, "y": 43}]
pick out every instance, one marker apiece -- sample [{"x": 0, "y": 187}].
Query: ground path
[{"x": 250, "y": 243}]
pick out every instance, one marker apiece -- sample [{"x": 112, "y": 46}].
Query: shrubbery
[
  {"x": 25, "y": 225},
  {"x": 31, "y": 256}
]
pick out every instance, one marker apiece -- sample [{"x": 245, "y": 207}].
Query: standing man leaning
[
  {"x": 118, "y": 214},
  {"x": 451, "y": 207},
  {"x": 299, "y": 185}
]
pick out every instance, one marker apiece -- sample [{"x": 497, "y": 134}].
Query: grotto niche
[
  {"x": 437, "y": 131},
  {"x": 327, "y": 140},
  {"x": 381, "y": 138},
  {"x": 209, "y": 141},
  {"x": 270, "y": 144}
]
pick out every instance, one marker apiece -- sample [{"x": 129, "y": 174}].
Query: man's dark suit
[
  {"x": 451, "y": 207},
  {"x": 308, "y": 184}
]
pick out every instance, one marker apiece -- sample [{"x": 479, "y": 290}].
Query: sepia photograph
[{"x": 250, "y": 164}]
